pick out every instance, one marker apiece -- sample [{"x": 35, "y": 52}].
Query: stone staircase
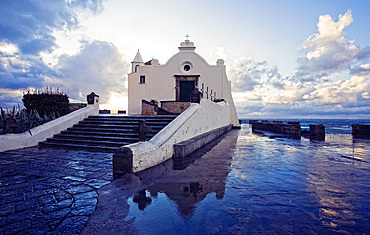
[{"x": 106, "y": 133}]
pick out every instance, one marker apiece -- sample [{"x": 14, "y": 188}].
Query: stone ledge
[
  {"x": 47, "y": 130},
  {"x": 361, "y": 131},
  {"x": 196, "y": 120},
  {"x": 189, "y": 146},
  {"x": 122, "y": 162}
]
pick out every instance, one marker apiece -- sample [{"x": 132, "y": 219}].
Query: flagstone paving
[{"x": 44, "y": 191}]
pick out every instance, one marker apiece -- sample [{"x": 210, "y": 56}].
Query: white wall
[
  {"x": 196, "y": 120},
  {"x": 47, "y": 130},
  {"x": 161, "y": 82}
]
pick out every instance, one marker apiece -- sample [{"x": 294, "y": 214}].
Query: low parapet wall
[
  {"x": 290, "y": 128},
  {"x": 47, "y": 130},
  {"x": 317, "y": 131},
  {"x": 189, "y": 146},
  {"x": 361, "y": 131},
  {"x": 196, "y": 120}
]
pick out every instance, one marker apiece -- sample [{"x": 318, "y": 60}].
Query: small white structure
[{"x": 175, "y": 80}]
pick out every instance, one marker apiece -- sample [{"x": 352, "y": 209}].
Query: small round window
[{"x": 187, "y": 67}]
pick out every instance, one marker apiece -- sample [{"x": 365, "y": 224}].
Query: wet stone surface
[
  {"x": 44, "y": 191},
  {"x": 247, "y": 184}
]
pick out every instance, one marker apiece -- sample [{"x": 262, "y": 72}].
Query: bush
[{"x": 46, "y": 102}]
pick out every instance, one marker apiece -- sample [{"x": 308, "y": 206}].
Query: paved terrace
[{"x": 49, "y": 190}]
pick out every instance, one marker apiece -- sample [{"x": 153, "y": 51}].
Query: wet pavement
[
  {"x": 44, "y": 191},
  {"x": 247, "y": 184}
]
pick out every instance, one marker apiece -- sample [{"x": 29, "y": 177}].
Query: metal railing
[{"x": 207, "y": 94}]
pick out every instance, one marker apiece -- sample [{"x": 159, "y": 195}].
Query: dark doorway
[{"x": 186, "y": 87}]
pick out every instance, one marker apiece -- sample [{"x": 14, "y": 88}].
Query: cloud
[
  {"x": 328, "y": 51},
  {"x": 26, "y": 31},
  {"x": 247, "y": 74},
  {"x": 347, "y": 97},
  {"x": 30, "y": 23},
  {"x": 9, "y": 97},
  {"x": 18, "y": 71},
  {"x": 221, "y": 53},
  {"x": 261, "y": 91},
  {"x": 98, "y": 67},
  {"x": 341, "y": 92}
]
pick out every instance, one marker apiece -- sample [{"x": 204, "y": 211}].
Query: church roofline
[
  {"x": 187, "y": 45},
  {"x": 186, "y": 75},
  {"x": 138, "y": 57},
  {"x": 175, "y": 55}
]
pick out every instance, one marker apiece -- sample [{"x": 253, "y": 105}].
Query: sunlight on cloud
[
  {"x": 8, "y": 48},
  {"x": 365, "y": 66},
  {"x": 67, "y": 43},
  {"x": 328, "y": 51},
  {"x": 348, "y": 91},
  {"x": 221, "y": 53},
  {"x": 116, "y": 101},
  {"x": 10, "y": 97},
  {"x": 330, "y": 37},
  {"x": 310, "y": 90},
  {"x": 247, "y": 74},
  {"x": 241, "y": 97},
  {"x": 98, "y": 67}
]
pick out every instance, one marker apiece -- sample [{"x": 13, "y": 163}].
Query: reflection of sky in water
[
  {"x": 264, "y": 184},
  {"x": 163, "y": 211}
]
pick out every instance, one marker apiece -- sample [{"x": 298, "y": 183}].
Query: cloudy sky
[{"x": 285, "y": 58}]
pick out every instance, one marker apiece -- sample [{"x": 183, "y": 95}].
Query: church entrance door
[{"x": 184, "y": 86}]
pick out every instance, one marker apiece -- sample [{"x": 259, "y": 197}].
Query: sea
[{"x": 255, "y": 183}]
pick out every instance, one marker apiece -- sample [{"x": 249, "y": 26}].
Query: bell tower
[{"x": 138, "y": 61}]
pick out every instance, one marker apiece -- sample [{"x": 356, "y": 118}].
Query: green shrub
[
  {"x": 41, "y": 107},
  {"x": 46, "y": 102}
]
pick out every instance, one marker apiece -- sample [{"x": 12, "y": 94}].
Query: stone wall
[
  {"x": 47, "y": 130},
  {"x": 187, "y": 147},
  {"x": 317, "y": 131},
  {"x": 196, "y": 120},
  {"x": 148, "y": 108},
  {"x": 175, "y": 107},
  {"x": 290, "y": 128},
  {"x": 361, "y": 131}
]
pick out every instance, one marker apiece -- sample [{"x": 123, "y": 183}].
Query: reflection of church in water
[
  {"x": 172, "y": 84},
  {"x": 191, "y": 185}
]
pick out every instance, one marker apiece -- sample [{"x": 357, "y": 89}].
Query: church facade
[{"x": 175, "y": 80}]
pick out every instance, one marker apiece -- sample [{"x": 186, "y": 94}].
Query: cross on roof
[{"x": 187, "y": 36}]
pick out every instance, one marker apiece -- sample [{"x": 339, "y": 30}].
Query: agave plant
[{"x": 22, "y": 120}]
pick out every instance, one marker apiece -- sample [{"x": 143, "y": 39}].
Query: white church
[{"x": 170, "y": 85}]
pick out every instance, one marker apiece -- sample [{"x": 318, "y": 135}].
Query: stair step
[
  {"x": 104, "y": 133},
  {"x": 134, "y": 117},
  {"x": 88, "y": 142},
  {"x": 109, "y": 130},
  {"x": 78, "y": 146},
  {"x": 148, "y": 119},
  {"x": 131, "y": 139},
  {"x": 115, "y": 126},
  {"x": 115, "y": 122}
]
